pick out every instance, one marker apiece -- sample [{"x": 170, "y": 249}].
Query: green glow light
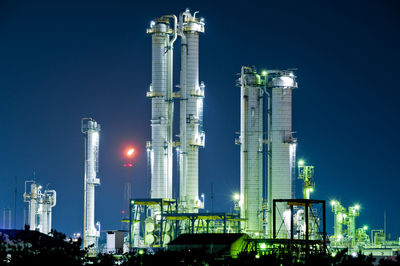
[
  {"x": 263, "y": 246},
  {"x": 365, "y": 227},
  {"x": 257, "y": 256},
  {"x": 333, "y": 202},
  {"x": 264, "y": 73},
  {"x": 357, "y": 207},
  {"x": 301, "y": 162},
  {"x": 141, "y": 251}
]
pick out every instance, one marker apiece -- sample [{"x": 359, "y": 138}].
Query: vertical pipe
[
  {"x": 291, "y": 222},
  {"x": 130, "y": 225},
  {"x": 324, "y": 222},
  {"x": 307, "y": 226},
  {"x": 15, "y": 203},
  {"x": 274, "y": 219}
]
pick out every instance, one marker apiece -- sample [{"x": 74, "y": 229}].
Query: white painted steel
[
  {"x": 90, "y": 129},
  {"x": 191, "y": 113},
  {"x": 40, "y": 207},
  {"x": 282, "y": 147},
  {"x": 162, "y": 108},
  {"x": 251, "y": 151}
]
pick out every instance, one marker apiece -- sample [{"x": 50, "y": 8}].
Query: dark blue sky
[{"x": 63, "y": 60}]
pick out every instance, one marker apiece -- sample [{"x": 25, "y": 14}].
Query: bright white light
[
  {"x": 130, "y": 152},
  {"x": 236, "y": 196},
  {"x": 354, "y": 254}
]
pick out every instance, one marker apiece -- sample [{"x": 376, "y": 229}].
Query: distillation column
[
  {"x": 251, "y": 150},
  {"x": 161, "y": 106},
  {"x": 191, "y": 112},
  {"x": 32, "y": 199},
  {"x": 40, "y": 207},
  {"x": 49, "y": 201},
  {"x": 281, "y": 147},
  {"x": 90, "y": 129}
]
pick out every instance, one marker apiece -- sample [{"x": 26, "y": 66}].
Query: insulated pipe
[
  {"x": 170, "y": 103},
  {"x": 183, "y": 102}
]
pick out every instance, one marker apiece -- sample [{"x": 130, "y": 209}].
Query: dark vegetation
[{"x": 67, "y": 252}]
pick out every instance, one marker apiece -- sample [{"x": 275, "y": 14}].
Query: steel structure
[
  {"x": 191, "y": 112},
  {"x": 306, "y": 173},
  {"x": 40, "y": 207},
  {"x": 281, "y": 143},
  {"x": 309, "y": 220},
  {"x": 251, "y": 151},
  {"x": 147, "y": 229},
  {"x": 163, "y": 38},
  {"x": 91, "y": 231}
]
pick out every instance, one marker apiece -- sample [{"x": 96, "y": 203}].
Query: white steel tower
[
  {"x": 163, "y": 38},
  {"x": 281, "y": 146},
  {"x": 251, "y": 150},
  {"x": 90, "y": 129},
  {"x": 191, "y": 112},
  {"x": 40, "y": 207}
]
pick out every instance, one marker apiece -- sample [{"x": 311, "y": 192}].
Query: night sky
[{"x": 64, "y": 60}]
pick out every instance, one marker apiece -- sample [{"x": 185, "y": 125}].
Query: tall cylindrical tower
[
  {"x": 191, "y": 112},
  {"x": 90, "y": 129},
  {"x": 161, "y": 106},
  {"x": 251, "y": 150},
  {"x": 281, "y": 145}
]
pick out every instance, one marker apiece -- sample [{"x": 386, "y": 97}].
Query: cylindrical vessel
[
  {"x": 33, "y": 207},
  {"x": 91, "y": 130},
  {"x": 282, "y": 149},
  {"x": 251, "y": 151},
  {"x": 191, "y": 117},
  {"x": 161, "y": 115}
]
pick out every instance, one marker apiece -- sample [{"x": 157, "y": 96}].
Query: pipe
[
  {"x": 170, "y": 98},
  {"x": 54, "y": 194}
]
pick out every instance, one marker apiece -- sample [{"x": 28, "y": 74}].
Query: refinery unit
[
  {"x": 40, "y": 206},
  {"x": 266, "y": 209}
]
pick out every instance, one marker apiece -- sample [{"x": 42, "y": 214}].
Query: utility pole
[{"x": 15, "y": 202}]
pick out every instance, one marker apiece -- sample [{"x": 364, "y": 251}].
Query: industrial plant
[{"x": 267, "y": 214}]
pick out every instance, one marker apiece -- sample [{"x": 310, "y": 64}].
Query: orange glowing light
[{"x": 130, "y": 152}]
